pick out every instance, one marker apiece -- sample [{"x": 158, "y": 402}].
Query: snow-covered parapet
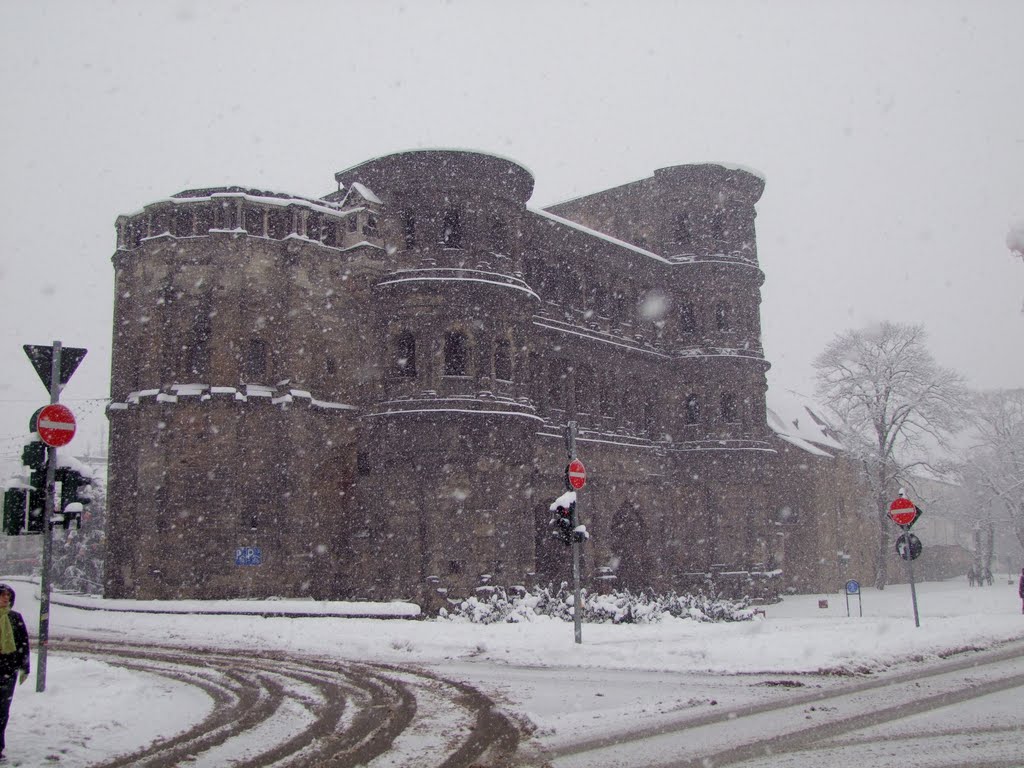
[{"x": 280, "y": 396}]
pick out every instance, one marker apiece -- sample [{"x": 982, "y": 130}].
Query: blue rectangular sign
[{"x": 248, "y": 556}]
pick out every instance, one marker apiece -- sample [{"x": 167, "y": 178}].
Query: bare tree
[
  {"x": 894, "y": 405},
  {"x": 994, "y": 468}
]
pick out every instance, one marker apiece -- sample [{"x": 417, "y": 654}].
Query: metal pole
[
  {"x": 44, "y": 587},
  {"x": 577, "y": 613},
  {"x": 910, "y": 571}
]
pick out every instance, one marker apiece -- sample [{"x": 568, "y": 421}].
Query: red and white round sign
[
  {"x": 56, "y": 425},
  {"x": 902, "y": 511},
  {"x": 576, "y": 474}
]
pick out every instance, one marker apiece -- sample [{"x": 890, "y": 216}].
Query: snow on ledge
[{"x": 205, "y": 393}]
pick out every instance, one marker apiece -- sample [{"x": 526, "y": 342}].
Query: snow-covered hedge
[{"x": 495, "y": 604}]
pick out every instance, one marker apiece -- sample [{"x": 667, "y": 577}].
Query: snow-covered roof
[
  {"x": 800, "y": 422},
  {"x": 599, "y": 235},
  {"x": 364, "y": 192},
  {"x": 280, "y": 200}
]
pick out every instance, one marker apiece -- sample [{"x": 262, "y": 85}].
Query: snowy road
[
  {"x": 159, "y": 685},
  {"x": 271, "y": 710},
  {"x": 963, "y": 713}
]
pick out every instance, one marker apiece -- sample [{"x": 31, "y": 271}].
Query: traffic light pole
[
  {"x": 577, "y": 613},
  {"x": 910, "y": 574},
  {"x": 44, "y": 588}
]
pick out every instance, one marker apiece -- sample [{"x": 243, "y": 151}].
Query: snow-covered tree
[
  {"x": 993, "y": 471},
  {"x": 78, "y": 554},
  {"x": 894, "y": 404}
]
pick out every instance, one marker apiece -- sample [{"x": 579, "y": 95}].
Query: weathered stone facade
[{"x": 372, "y": 388}]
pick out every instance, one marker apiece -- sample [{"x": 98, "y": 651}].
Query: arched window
[
  {"x": 499, "y": 235},
  {"x": 456, "y": 353},
  {"x": 451, "y": 229},
  {"x": 503, "y": 359},
  {"x": 256, "y": 360},
  {"x": 692, "y": 409},
  {"x": 718, "y": 224},
  {"x": 405, "y": 355},
  {"x": 723, "y": 316},
  {"x": 688, "y": 318},
  {"x": 730, "y": 413},
  {"x": 409, "y": 229},
  {"x": 197, "y": 359},
  {"x": 279, "y": 225},
  {"x": 203, "y": 219},
  {"x": 682, "y": 234},
  {"x": 313, "y": 227},
  {"x": 253, "y": 218},
  {"x": 182, "y": 222},
  {"x": 586, "y": 383}
]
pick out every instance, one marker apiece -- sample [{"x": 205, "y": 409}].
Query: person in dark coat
[
  {"x": 14, "y": 656},
  {"x": 1020, "y": 590}
]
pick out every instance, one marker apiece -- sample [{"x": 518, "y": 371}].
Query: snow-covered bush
[{"x": 494, "y": 604}]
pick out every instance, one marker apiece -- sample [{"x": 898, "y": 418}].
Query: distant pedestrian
[
  {"x": 14, "y": 656},
  {"x": 972, "y": 576},
  {"x": 1020, "y": 590}
]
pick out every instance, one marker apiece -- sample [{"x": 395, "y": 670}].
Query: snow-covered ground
[{"x": 620, "y": 674}]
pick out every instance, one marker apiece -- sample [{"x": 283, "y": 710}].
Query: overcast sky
[{"x": 891, "y": 135}]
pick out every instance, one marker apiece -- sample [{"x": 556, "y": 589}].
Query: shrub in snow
[{"x": 494, "y": 604}]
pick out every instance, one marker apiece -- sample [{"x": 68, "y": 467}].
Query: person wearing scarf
[{"x": 14, "y": 656}]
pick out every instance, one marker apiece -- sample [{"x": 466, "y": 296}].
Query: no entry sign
[
  {"x": 902, "y": 511},
  {"x": 576, "y": 474},
  {"x": 56, "y": 425}
]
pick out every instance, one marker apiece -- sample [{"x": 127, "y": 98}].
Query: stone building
[{"x": 372, "y": 388}]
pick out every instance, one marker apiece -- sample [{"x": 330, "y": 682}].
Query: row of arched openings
[{"x": 457, "y": 355}]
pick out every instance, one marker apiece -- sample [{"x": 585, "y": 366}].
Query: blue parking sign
[{"x": 248, "y": 556}]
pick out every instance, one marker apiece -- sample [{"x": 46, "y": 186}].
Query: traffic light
[
  {"x": 36, "y": 501},
  {"x": 33, "y": 455},
  {"x": 562, "y": 523},
  {"x": 72, "y": 485},
  {"x": 14, "y": 511}
]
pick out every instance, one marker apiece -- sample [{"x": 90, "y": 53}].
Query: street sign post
[
  {"x": 56, "y": 425},
  {"x": 853, "y": 588},
  {"x": 575, "y": 478},
  {"x": 904, "y": 513}
]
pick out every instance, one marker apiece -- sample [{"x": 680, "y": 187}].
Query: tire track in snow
[
  {"x": 290, "y": 712},
  {"x": 730, "y": 737}
]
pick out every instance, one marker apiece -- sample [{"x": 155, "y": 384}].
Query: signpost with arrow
[{"x": 56, "y": 426}]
